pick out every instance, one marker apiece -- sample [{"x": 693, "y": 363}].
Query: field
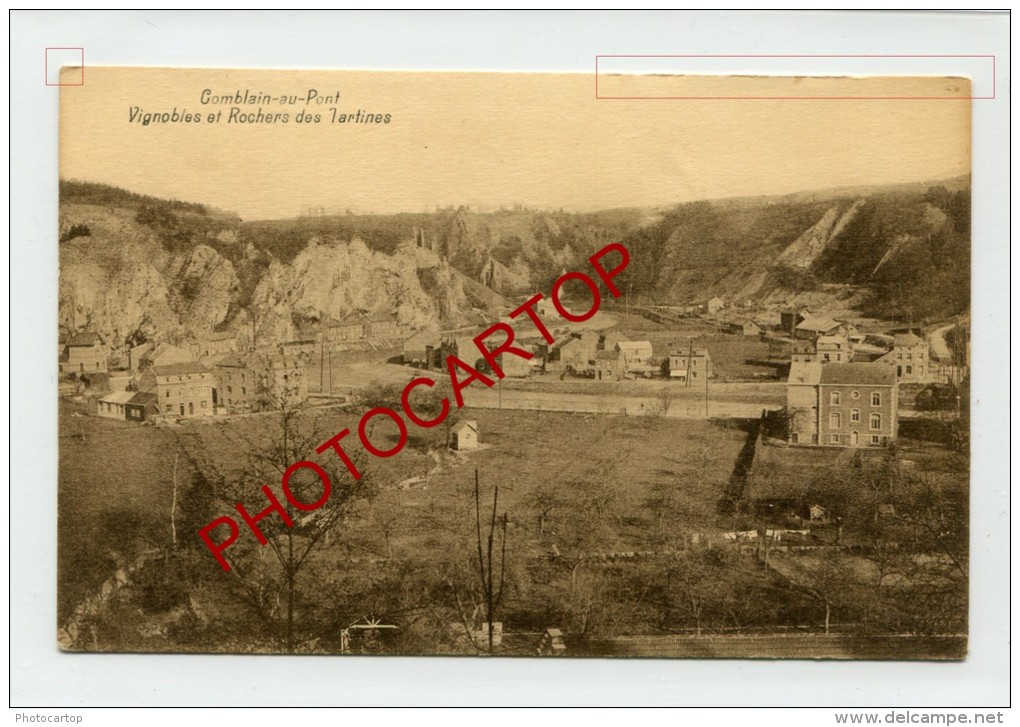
[
  {"x": 736, "y": 357},
  {"x": 606, "y": 526},
  {"x": 567, "y": 482}
]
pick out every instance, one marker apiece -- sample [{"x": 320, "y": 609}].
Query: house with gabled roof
[
  {"x": 910, "y": 357},
  {"x": 84, "y": 353},
  {"x": 609, "y": 365},
  {"x": 812, "y": 328},
  {"x": 464, "y": 435},
  {"x": 112, "y": 405},
  {"x": 141, "y": 407}
]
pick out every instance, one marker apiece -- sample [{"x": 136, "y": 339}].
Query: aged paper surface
[{"x": 735, "y": 424}]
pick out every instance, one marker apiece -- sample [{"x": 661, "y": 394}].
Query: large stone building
[
  {"x": 842, "y": 405},
  {"x": 184, "y": 389}
]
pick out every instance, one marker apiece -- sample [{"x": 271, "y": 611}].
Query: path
[{"x": 680, "y": 408}]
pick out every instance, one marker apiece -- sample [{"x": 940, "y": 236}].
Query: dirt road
[
  {"x": 679, "y": 408},
  {"x": 937, "y": 341}
]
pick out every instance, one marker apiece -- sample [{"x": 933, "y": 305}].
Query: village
[
  {"x": 783, "y": 359},
  {"x": 765, "y": 433}
]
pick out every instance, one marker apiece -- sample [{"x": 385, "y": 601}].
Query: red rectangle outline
[
  {"x": 793, "y": 98},
  {"x": 47, "y": 76}
]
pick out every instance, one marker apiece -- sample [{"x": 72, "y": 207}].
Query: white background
[{"x": 523, "y": 41}]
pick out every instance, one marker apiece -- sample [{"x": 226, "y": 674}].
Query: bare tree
[{"x": 269, "y": 574}]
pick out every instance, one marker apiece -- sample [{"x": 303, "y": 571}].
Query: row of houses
[
  {"x": 358, "y": 327},
  {"x": 909, "y": 356},
  {"x": 170, "y": 382},
  {"x": 605, "y": 356}
]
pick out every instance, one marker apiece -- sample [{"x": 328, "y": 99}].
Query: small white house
[
  {"x": 111, "y": 406},
  {"x": 464, "y": 435}
]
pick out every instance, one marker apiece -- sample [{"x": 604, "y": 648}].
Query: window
[
  {"x": 204, "y": 403},
  {"x": 876, "y": 398},
  {"x": 835, "y": 398},
  {"x": 875, "y": 421},
  {"x": 825, "y": 357},
  {"x": 839, "y": 357},
  {"x": 167, "y": 394},
  {"x": 834, "y": 439},
  {"x": 855, "y": 415},
  {"x": 835, "y": 420},
  {"x": 180, "y": 392},
  {"x": 230, "y": 390},
  {"x": 909, "y": 356},
  {"x": 910, "y": 370},
  {"x": 855, "y": 394},
  {"x": 875, "y": 439},
  {"x": 244, "y": 390}
]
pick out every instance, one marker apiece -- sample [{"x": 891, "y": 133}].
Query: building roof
[
  {"x": 354, "y": 318},
  {"x": 907, "y": 340},
  {"x": 83, "y": 339},
  {"x": 465, "y": 424},
  {"x": 822, "y": 340},
  {"x": 179, "y": 369},
  {"x": 874, "y": 374},
  {"x": 118, "y": 397},
  {"x": 606, "y": 356},
  {"x": 821, "y": 325},
  {"x": 165, "y": 349},
  {"x": 233, "y": 360},
  {"x": 634, "y": 345},
  {"x": 143, "y": 398},
  {"x": 806, "y": 372}
]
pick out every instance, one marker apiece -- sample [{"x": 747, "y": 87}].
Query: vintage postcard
[{"x": 511, "y": 364}]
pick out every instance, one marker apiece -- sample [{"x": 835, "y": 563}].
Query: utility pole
[
  {"x": 492, "y": 593},
  {"x": 706, "y": 384}
]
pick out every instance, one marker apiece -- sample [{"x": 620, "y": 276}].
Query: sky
[{"x": 488, "y": 140}]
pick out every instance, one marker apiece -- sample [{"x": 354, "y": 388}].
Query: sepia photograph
[{"x": 481, "y": 364}]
